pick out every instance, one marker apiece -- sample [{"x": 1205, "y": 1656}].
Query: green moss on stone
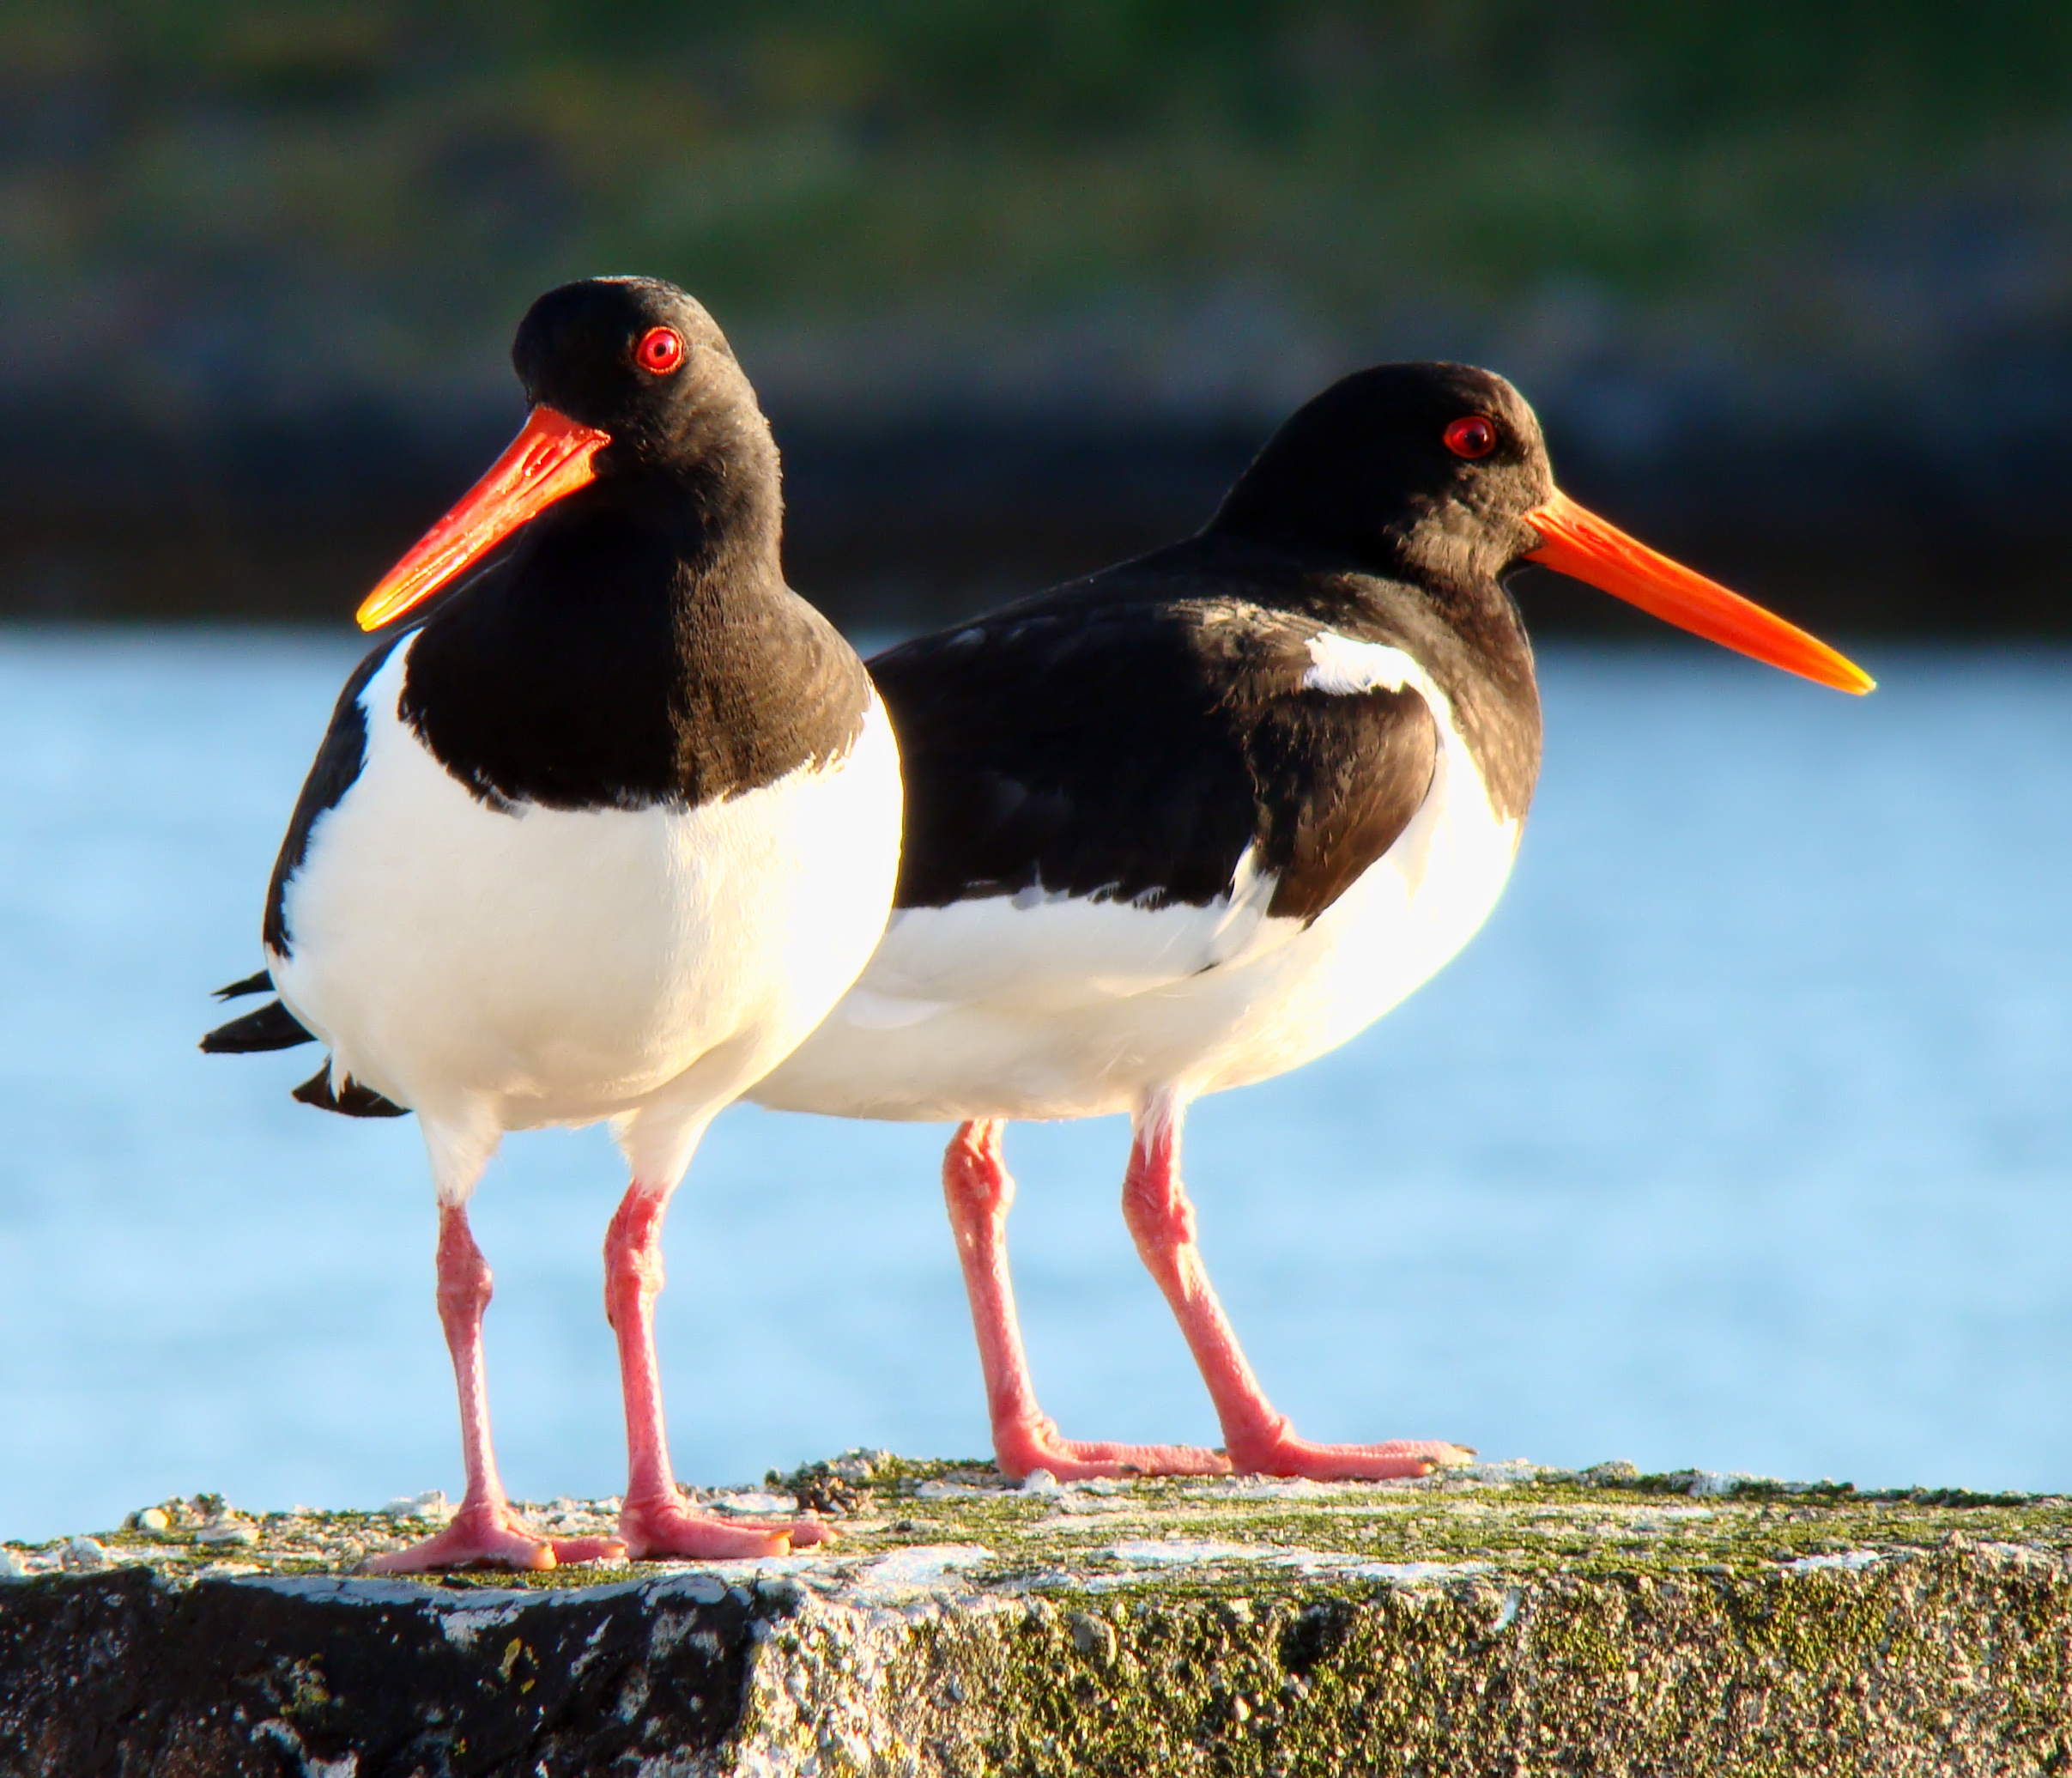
[{"x": 1611, "y": 1625}]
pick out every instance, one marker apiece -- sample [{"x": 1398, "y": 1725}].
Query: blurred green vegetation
[
  {"x": 1022, "y": 284},
  {"x": 412, "y": 172}
]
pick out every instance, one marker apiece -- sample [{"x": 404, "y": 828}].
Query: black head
[
  {"x": 638, "y": 413},
  {"x": 1425, "y": 470},
  {"x": 638, "y": 359}
]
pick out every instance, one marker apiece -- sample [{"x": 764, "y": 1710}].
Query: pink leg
[
  {"x": 484, "y": 1531},
  {"x": 654, "y": 1520},
  {"x": 979, "y": 1191},
  {"x": 1259, "y": 1441}
]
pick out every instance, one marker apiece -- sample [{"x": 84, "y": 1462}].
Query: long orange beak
[
  {"x": 1580, "y": 544},
  {"x": 548, "y": 458}
]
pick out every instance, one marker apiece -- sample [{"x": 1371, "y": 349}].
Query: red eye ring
[
  {"x": 660, "y": 350},
  {"x": 1472, "y": 435}
]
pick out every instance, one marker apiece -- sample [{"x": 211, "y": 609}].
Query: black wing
[
  {"x": 1131, "y": 749},
  {"x": 337, "y": 763},
  {"x": 273, "y": 1026}
]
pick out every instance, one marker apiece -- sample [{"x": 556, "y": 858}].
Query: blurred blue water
[{"x": 1741, "y": 1139}]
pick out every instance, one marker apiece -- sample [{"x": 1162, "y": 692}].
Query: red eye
[
  {"x": 660, "y": 350},
  {"x": 1472, "y": 435}
]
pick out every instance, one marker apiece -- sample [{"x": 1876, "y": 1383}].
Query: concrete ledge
[{"x": 1502, "y": 1620}]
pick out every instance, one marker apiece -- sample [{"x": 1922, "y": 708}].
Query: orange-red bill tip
[
  {"x": 1581, "y": 544},
  {"x": 550, "y": 458}
]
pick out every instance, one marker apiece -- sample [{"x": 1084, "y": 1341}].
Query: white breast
[
  {"x": 545, "y": 966},
  {"x": 1047, "y": 1006}
]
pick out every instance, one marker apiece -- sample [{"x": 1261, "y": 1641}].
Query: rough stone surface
[{"x": 1497, "y": 1620}]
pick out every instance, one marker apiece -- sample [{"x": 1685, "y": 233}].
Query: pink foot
[
  {"x": 659, "y": 1528},
  {"x": 1284, "y": 1454},
  {"x": 492, "y": 1536},
  {"x": 1018, "y": 1450}
]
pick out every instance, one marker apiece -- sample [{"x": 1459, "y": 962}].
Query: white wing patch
[{"x": 1344, "y": 667}]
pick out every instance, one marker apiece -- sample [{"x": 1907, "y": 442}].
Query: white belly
[
  {"x": 1031, "y": 1007},
  {"x": 546, "y": 966}
]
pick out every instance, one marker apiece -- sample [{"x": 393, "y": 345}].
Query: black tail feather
[
  {"x": 356, "y": 1101},
  {"x": 272, "y": 1026}
]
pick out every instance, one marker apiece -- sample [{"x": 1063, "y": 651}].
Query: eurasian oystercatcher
[
  {"x": 1197, "y": 819},
  {"x": 602, "y": 837}
]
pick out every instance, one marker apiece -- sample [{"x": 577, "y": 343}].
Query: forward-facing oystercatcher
[
  {"x": 1201, "y": 817},
  {"x": 602, "y": 837}
]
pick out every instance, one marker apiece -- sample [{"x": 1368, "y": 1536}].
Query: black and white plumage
[
  {"x": 494, "y": 961},
  {"x": 1201, "y": 817},
  {"x": 1195, "y": 877},
  {"x": 602, "y": 837},
  {"x": 1188, "y": 822}
]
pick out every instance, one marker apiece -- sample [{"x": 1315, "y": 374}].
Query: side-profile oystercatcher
[
  {"x": 1201, "y": 817},
  {"x": 602, "y": 837}
]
